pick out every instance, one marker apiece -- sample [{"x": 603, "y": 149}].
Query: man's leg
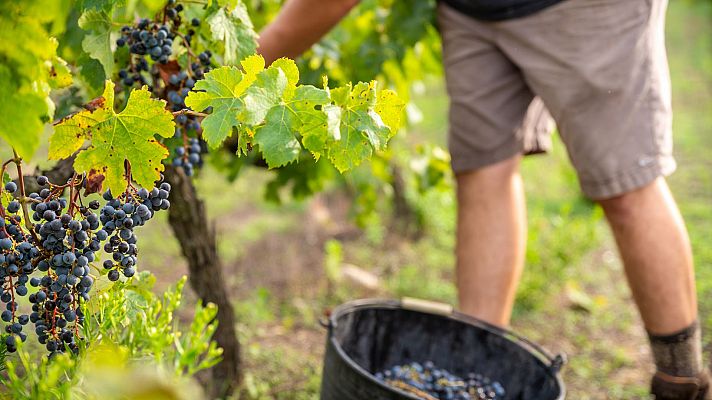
[
  {"x": 491, "y": 239},
  {"x": 655, "y": 249}
]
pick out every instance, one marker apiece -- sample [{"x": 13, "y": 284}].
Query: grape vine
[
  {"x": 60, "y": 246},
  {"x": 174, "y": 87}
]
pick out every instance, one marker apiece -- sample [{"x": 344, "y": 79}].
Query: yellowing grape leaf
[
  {"x": 117, "y": 138},
  {"x": 24, "y": 21},
  {"x": 59, "y": 74},
  {"x": 361, "y": 128},
  {"x": 252, "y": 66},
  {"x": 390, "y": 108},
  {"x": 291, "y": 72}
]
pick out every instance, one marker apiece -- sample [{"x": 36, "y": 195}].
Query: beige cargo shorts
[{"x": 598, "y": 67}]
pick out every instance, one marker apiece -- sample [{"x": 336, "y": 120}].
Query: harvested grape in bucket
[{"x": 431, "y": 383}]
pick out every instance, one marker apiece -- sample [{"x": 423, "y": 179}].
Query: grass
[
  {"x": 573, "y": 297},
  {"x": 691, "y": 65}
]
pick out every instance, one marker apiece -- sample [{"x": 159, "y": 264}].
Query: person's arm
[{"x": 299, "y": 25}]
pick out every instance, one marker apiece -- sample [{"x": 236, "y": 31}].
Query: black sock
[{"x": 680, "y": 353}]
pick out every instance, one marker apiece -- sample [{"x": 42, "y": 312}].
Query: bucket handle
[
  {"x": 427, "y": 306},
  {"x": 558, "y": 362},
  {"x": 324, "y": 322}
]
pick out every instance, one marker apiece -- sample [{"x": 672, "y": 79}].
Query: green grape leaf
[
  {"x": 265, "y": 93},
  {"x": 92, "y": 74},
  {"x": 361, "y": 128},
  {"x": 237, "y": 98},
  {"x": 235, "y": 31},
  {"x": 276, "y": 138},
  {"x": 98, "y": 41},
  {"x": 221, "y": 90},
  {"x": 349, "y": 151},
  {"x": 244, "y": 140},
  {"x": 345, "y": 124},
  {"x": 313, "y": 123},
  {"x": 117, "y": 138}
]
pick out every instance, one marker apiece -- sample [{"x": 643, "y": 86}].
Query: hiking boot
[{"x": 668, "y": 387}]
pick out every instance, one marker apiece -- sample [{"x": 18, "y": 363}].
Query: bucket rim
[{"x": 551, "y": 364}]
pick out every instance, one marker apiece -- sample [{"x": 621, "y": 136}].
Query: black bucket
[{"x": 367, "y": 336}]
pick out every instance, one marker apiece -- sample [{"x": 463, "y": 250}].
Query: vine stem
[
  {"x": 187, "y": 46},
  {"x": 6, "y": 163},
  {"x": 128, "y": 179},
  {"x": 23, "y": 201},
  {"x": 12, "y": 293},
  {"x": 71, "y": 194},
  {"x": 189, "y": 112}
]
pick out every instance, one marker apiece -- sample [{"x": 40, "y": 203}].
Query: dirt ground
[{"x": 603, "y": 343}]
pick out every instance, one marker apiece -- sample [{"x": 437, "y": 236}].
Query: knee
[{"x": 624, "y": 206}]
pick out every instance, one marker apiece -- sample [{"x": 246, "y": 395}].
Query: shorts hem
[
  {"x": 471, "y": 163},
  {"x": 630, "y": 180}
]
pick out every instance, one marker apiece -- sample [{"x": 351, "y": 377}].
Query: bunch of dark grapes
[
  {"x": 17, "y": 250},
  {"x": 61, "y": 244},
  {"x": 120, "y": 216},
  {"x": 69, "y": 238},
  {"x": 144, "y": 39},
  {"x": 202, "y": 67},
  {"x": 60, "y": 247},
  {"x": 188, "y": 156},
  {"x": 155, "y": 41},
  {"x": 172, "y": 11},
  {"x": 148, "y": 39},
  {"x": 178, "y": 89},
  {"x": 429, "y": 382}
]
